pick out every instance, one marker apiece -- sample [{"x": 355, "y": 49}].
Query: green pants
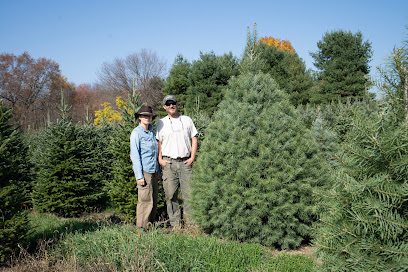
[{"x": 177, "y": 174}]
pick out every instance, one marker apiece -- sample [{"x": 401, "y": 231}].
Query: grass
[{"x": 100, "y": 245}]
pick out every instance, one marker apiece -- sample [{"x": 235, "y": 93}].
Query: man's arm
[{"x": 194, "y": 145}]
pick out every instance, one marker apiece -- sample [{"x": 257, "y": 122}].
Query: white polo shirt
[{"x": 175, "y": 136}]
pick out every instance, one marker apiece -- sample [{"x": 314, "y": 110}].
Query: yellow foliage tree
[
  {"x": 109, "y": 115},
  {"x": 283, "y": 45}
]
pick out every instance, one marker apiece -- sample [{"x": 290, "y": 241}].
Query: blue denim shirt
[{"x": 144, "y": 151}]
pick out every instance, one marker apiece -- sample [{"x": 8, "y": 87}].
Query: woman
[{"x": 143, "y": 153}]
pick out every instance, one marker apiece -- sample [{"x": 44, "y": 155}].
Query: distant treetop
[{"x": 284, "y": 45}]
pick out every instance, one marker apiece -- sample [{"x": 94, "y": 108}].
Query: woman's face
[{"x": 145, "y": 119}]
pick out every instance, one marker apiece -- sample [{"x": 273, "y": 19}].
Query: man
[{"x": 177, "y": 144}]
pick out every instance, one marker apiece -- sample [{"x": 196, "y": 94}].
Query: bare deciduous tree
[
  {"x": 144, "y": 67},
  {"x": 152, "y": 94}
]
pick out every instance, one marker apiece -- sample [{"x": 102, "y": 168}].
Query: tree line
[
  {"x": 286, "y": 156},
  {"x": 32, "y": 86}
]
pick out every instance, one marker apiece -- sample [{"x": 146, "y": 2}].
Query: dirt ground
[{"x": 303, "y": 250}]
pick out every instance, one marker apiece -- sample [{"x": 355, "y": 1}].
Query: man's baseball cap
[{"x": 169, "y": 97}]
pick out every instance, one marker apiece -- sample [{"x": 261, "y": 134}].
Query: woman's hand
[{"x": 141, "y": 182}]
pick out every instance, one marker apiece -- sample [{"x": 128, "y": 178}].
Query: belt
[{"x": 177, "y": 159}]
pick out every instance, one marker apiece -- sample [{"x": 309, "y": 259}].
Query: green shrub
[
  {"x": 201, "y": 121},
  {"x": 337, "y": 116}
]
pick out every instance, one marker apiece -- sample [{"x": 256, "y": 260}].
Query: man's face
[{"x": 170, "y": 107}]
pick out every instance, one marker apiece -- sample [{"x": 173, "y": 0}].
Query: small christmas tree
[
  {"x": 69, "y": 166},
  {"x": 14, "y": 182}
]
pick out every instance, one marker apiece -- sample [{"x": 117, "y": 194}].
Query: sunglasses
[{"x": 170, "y": 103}]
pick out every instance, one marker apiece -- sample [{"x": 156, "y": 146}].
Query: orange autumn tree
[{"x": 283, "y": 45}]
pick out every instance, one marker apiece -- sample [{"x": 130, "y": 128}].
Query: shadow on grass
[{"x": 48, "y": 234}]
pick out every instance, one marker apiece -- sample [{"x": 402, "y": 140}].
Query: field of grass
[{"x": 98, "y": 244}]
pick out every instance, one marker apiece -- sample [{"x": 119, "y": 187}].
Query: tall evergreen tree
[
  {"x": 208, "y": 77},
  {"x": 258, "y": 165},
  {"x": 342, "y": 60},
  {"x": 14, "y": 182},
  {"x": 178, "y": 81}
]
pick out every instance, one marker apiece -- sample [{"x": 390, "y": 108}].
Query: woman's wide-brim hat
[{"x": 145, "y": 110}]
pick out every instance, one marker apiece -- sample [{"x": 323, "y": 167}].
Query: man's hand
[
  {"x": 141, "y": 182},
  {"x": 163, "y": 162},
  {"x": 189, "y": 161}
]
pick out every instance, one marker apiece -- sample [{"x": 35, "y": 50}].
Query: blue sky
[{"x": 81, "y": 35}]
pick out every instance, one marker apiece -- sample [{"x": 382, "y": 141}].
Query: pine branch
[
  {"x": 386, "y": 193},
  {"x": 391, "y": 222},
  {"x": 339, "y": 209},
  {"x": 375, "y": 142},
  {"x": 345, "y": 230},
  {"x": 352, "y": 242}
]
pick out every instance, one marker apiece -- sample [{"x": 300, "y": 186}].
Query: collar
[{"x": 150, "y": 128}]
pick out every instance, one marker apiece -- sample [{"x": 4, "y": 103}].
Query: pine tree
[
  {"x": 257, "y": 168},
  {"x": 177, "y": 82},
  {"x": 342, "y": 60},
  {"x": 204, "y": 79},
  {"x": 14, "y": 182},
  {"x": 337, "y": 116},
  {"x": 208, "y": 77},
  {"x": 364, "y": 221}
]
